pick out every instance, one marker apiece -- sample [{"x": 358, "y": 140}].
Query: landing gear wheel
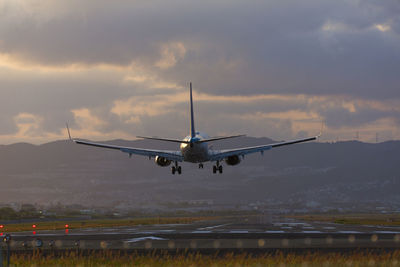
[
  {"x": 214, "y": 169},
  {"x": 173, "y": 170},
  {"x": 220, "y": 169},
  {"x": 179, "y": 170},
  {"x": 201, "y": 166}
]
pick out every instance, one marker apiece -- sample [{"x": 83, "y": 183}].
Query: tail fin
[{"x": 193, "y": 132}]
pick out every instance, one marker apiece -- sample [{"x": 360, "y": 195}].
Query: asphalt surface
[{"x": 254, "y": 233}]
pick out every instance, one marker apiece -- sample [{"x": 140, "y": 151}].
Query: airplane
[{"x": 193, "y": 148}]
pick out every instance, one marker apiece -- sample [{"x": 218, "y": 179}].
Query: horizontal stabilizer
[
  {"x": 219, "y": 138},
  {"x": 164, "y": 139}
]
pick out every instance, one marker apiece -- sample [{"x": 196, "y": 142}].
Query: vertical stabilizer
[{"x": 193, "y": 132}]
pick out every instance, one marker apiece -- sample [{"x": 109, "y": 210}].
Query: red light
[
  {"x": 34, "y": 232},
  {"x": 33, "y": 225},
  {"x": 66, "y": 231},
  {"x": 1, "y": 234},
  {"x": 1, "y": 226},
  {"x": 66, "y": 226}
]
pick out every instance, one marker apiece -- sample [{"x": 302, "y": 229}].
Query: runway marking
[
  {"x": 238, "y": 231},
  {"x": 201, "y": 232},
  {"x": 292, "y": 224},
  {"x": 213, "y": 227},
  {"x": 349, "y": 232},
  {"x": 386, "y": 232},
  {"x": 138, "y": 239},
  {"x": 312, "y": 232},
  {"x": 275, "y": 232}
]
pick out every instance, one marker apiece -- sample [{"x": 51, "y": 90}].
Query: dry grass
[
  {"x": 354, "y": 219},
  {"x": 109, "y": 258}
]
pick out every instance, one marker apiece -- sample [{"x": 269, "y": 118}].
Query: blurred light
[
  {"x": 171, "y": 244},
  {"x": 147, "y": 244},
  {"x": 34, "y": 232},
  {"x": 374, "y": 238},
  {"x": 33, "y": 225},
  {"x": 66, "y": 226},
  {"x": 59, "y": 243},
  {"x": 38, "y": 243},
  {"x": 66, "y": 231},
  {"x": 103, "y": 244},
  {"x": 1, "y": 234},
  {"x": 1, "y": 226}
]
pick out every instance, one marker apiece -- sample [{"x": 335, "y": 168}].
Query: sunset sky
[{"x": 118, "y": 69}]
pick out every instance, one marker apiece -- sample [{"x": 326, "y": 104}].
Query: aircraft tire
[
  {"x": 220, "y": 169},
  {"x": 179, "y": 169},
  {"x": 214, "y": 169},
  {"x": 173, "y": 170}
]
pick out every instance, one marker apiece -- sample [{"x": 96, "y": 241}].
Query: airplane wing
[
  {"x": 151, "y": 153},
  {"x": 168, "y": 154},
  {"x": 222, "y": 154}
]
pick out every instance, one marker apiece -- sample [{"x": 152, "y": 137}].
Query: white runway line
[
  {"x": 312, "y": 232},
  {"x": 201, "y": 232},
  {"x": 275, "y": 232},
  {"x": 133, "y": 240},
  {"x": 213, "y": 227},
  {"x": 238, "y": 231},
  {"x": 349, "y": 232}
]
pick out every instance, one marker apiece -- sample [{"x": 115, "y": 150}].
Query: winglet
[
  {"x": 321, "y": 130},
  {"x": 69, "y": 134}
]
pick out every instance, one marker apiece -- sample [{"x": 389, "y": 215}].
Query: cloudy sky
[{"x": 117, "y": 69}]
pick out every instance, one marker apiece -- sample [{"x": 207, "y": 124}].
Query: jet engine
[
  {"x": 161, "y": 161},
  {"x": 232, "y": 160}
]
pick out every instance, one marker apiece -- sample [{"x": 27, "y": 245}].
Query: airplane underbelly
[{"x": 195, "y": 154}]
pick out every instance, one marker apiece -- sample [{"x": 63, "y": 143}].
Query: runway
[{"x": 253, "y": 233}]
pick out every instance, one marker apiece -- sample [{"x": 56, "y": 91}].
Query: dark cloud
[
  {"x": 233, "y": 47},
  {"x": 323, "y": 48}
]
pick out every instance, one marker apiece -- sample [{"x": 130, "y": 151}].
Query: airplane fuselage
[{"x": 195, "y": 152}]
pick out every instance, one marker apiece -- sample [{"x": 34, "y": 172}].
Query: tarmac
[{"x": 260, "y": 234}]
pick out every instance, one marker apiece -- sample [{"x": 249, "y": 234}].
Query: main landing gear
[
  {"x": 176, "y": 168},
  {"x": 201, "y": 166},
  {"x": 217, "y": 167}
]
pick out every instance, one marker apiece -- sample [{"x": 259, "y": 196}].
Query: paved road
[{"x": 261, "y": 233}]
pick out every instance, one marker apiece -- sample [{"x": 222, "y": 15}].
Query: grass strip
[
  {"x": 354, "y": 219},
  {"x": 108, "y": 258},
  {"x": 98, "y": 223}
]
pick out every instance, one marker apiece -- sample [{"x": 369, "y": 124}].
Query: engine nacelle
[
  {"x": 161, "y": 161},
  {"x": 232, "y": 160}
]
